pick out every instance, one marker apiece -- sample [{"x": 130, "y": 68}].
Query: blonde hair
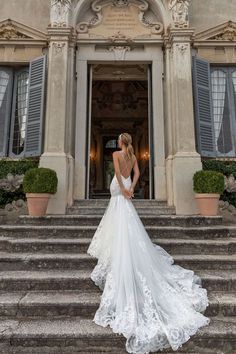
[{"x": 127, "y": 140}]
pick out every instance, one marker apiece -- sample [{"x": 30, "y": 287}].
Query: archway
[
  {"x": 111, "y": 32},
  {"x": 158, "y": 7}
]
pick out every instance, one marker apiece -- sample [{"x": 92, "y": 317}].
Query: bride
[{"x": 154, "y": 303}]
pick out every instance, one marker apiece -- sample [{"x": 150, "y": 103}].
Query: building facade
[{"x": 74, "y": 74}]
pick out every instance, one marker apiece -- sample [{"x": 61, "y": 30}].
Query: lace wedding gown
[{"x": 154, "y": 303}]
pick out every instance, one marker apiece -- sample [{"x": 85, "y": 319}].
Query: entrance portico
[{"x": 94, "y": 33}]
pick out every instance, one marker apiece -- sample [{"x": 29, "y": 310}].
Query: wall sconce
[
  {"x": 145, "y": 156},
  {"x": 92, "y": 155}
]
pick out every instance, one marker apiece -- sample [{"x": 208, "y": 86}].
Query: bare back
[{"x": 126, "y": 165}]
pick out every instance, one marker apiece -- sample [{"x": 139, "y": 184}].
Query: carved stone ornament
[
  {"x": 9, "y": 31},
  {"x": 60, "y": 12},
  {"x": 103, "y": 10},
  {"x": 119, "y": 38},
  {"x": 58, "y": 47},
  {"x": 182, "y": 47},
  {"x": 228, "y": 33},
  {"x": 119, "y": 51},
  {"x": 179, "y": 12}
]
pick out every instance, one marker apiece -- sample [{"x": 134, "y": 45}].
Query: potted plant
[
  {"x": 208, "y": 186},
  {"x": 39, "y": 184}
]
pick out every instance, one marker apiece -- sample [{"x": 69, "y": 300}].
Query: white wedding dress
[{"x": 154, "y": 303}]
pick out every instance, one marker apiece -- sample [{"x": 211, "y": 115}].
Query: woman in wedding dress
[{"x": 154, "y": 303}]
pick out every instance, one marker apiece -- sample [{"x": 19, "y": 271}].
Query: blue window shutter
[
  {"x": 6, "y": 89},
  {"x": 203, "y": 107},
  {"x": 36, "y": 105}
]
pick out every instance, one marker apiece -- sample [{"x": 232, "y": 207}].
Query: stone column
[
  {"x": 182, "y": 158},
  {"x": 58, "y": 125}
]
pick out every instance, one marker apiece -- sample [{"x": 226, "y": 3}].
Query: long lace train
[{"x": 153, "y": 302}]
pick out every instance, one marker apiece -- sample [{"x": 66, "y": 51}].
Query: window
[
  {"x": 215, "y": 108},
  {"x": 223, "y": 88},
  {"x": 21, "y": 109},
  {"x": 13, "y": 109}
]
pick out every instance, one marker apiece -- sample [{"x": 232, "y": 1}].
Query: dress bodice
[{"x": 115, "y": 187}]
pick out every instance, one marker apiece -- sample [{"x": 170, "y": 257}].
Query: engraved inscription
[{"x": 120, "y": 19}]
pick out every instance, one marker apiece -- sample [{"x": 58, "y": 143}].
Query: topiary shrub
[
  {"x": 40, "y": 180},
  {"x": 208, "y": 182}
]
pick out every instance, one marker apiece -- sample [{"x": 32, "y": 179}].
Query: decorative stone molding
[
  {"x": 120, "y": 38},
  {"x": 119, "y": 51},
  {"x": 228, "y": 34},
  {"x": 179, "y": 12},
  {"x": 182, "y": 47},
  {"x": 223, "y": 32},
  {"x": 9, "y": 31},
  {"x": 99, "y": 6},
  {"x": 58, "y": 47},
  {"x": 60, "y": 13}
]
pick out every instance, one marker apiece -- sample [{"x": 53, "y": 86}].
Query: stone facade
[{"x": 161, "y": 33}]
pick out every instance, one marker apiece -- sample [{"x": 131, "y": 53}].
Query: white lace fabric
[{"x": 153, "y": 302}]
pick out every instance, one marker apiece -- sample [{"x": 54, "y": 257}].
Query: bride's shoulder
[{"x": 116, "y": 154}]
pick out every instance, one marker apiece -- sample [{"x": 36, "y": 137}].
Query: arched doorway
[{"x": 117, "y": 38}]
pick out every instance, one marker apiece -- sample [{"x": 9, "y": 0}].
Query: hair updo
[{"x": 127, "y": 141}]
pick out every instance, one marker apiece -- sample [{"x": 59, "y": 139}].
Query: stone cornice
[
  {"x": 64, "y": 34},
  {"x": 13, "y": 33},
  {"x": 178, "y": 35},
  {"x": 223, "y": 35}
]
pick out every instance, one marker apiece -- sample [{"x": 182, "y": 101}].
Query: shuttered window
[
  {"x": 6, "y": 83},
  {"x": 36, "y": 105},
  {"x": 215, "y": 108},
  {"x": 19, "y": 113},
  {"x": 203, "y": 107},
  {"x": 22, "y": 102}
]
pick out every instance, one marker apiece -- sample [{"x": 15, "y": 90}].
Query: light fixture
[{"x": 145, "y": 155}]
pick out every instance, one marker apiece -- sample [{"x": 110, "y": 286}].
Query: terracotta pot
[
  {"x": 208, "y": 203},
  {"x": 37, "y": 203}
]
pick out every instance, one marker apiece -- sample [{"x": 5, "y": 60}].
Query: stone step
[
  {"x": 104, "y": 202},
  {"x": 212, "y": 280},
  {"x": 85, "y": 336},
  {"x": 148, "y": 220},
  {"x": 151, "y": 210},
  {"x": 77, "y": 231},
  {"x": 78, "y": 303},
  {"x": 75, "y": 245},
  {"x": 29, "y": 261}
]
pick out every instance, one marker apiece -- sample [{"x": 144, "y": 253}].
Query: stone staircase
[{"x": 47, "y": 299}]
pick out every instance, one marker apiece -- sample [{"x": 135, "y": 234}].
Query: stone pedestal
[
  {"x": 57, "y": 148},
  {"x": 182, "y": 158}
]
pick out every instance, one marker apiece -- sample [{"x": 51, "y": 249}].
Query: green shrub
[
  {"x": 15, "y": 167},
  {"x": 225, "y": 167},
  {"x": 40, "y": 180},
  {"x": 208, "y": 182}
]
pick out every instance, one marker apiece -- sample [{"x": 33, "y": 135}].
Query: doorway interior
[{"x": 119, "y": 101}]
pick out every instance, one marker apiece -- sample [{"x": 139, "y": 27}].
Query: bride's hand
[
  {"x": 126, "y": 193},
  {"x": 131, "y": 192}
]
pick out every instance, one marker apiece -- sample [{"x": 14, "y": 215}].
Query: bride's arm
[
  {"x": 117, "y": 169},
  {"x": 136, "y": 174}
]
